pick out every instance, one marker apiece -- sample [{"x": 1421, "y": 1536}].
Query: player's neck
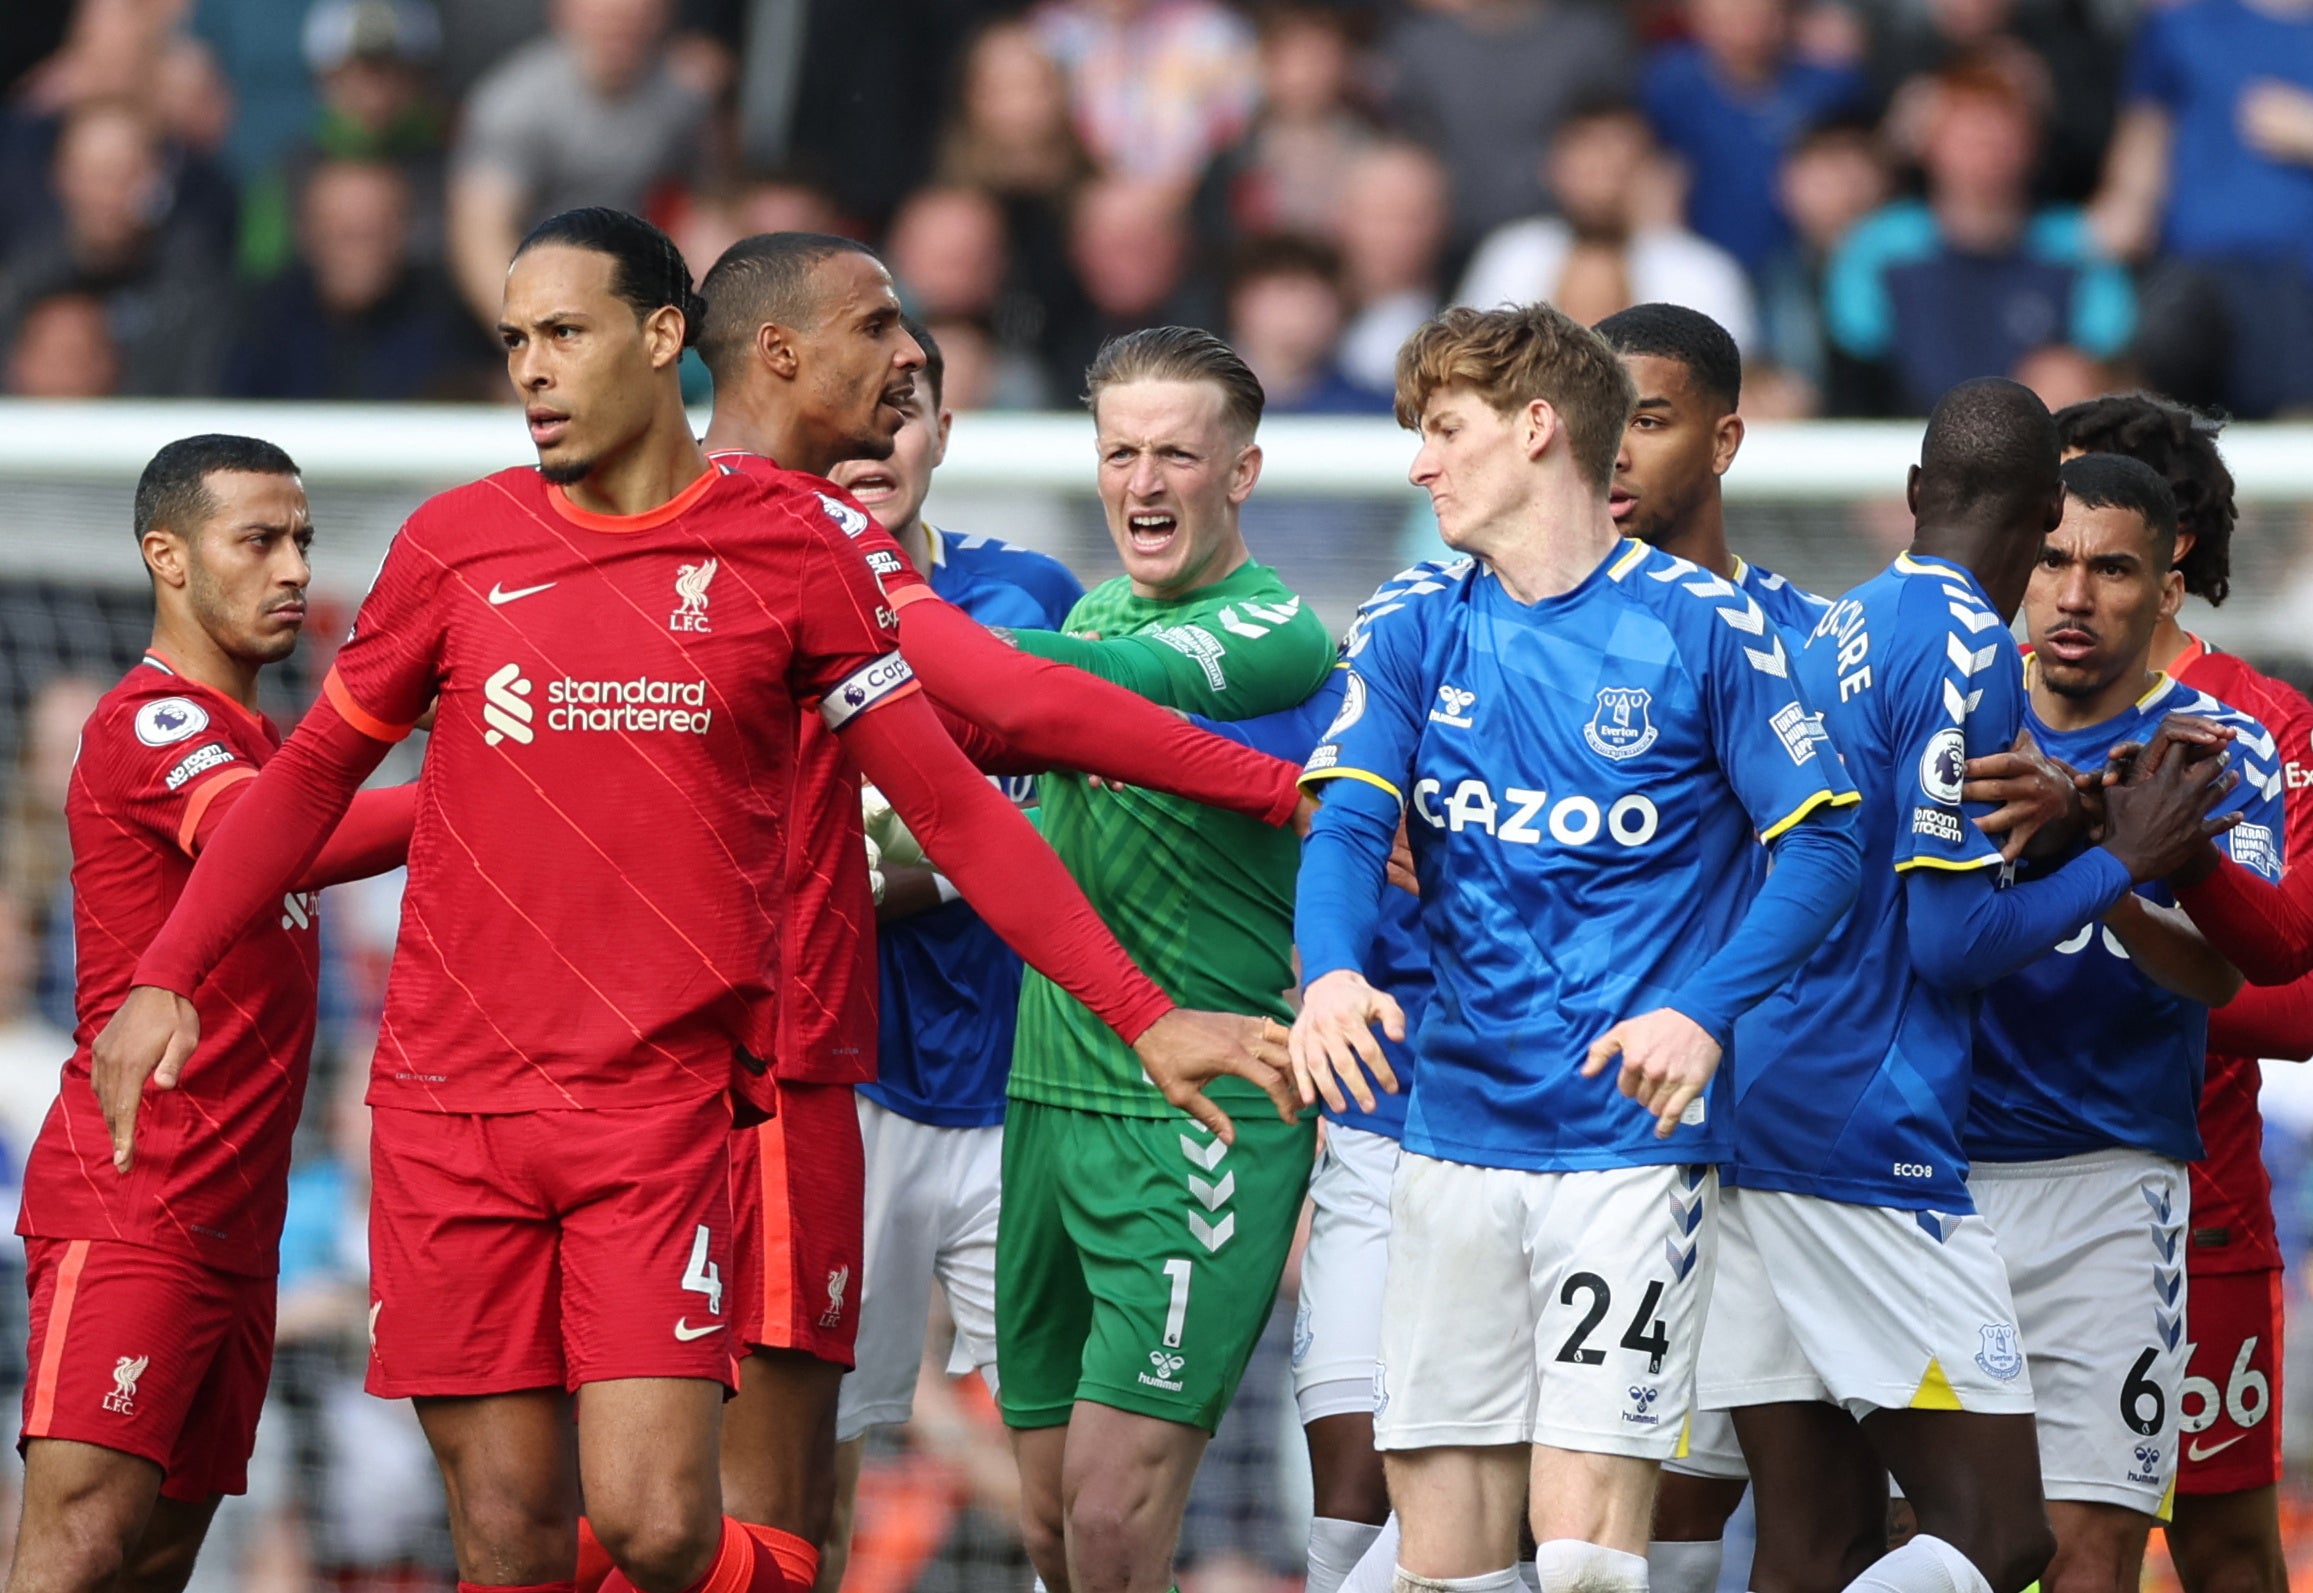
[
  {"x": 2060, "y": 712},
  {"x": 915, "y": 540},
  {"x": 1554, "y": 546},
  {"x": 759, "y": 424},
  {"x": 650, "y": 471},
  {"x": 1702, "y": 540},
  {"x": 2168, "y": 644},
  {"x": 194, "y": 654}
]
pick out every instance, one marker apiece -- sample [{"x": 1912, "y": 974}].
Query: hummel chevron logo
[
  {"x": 2171, "y": 1329},
  {"x": 1213, "y": 1196},
  {"x": 1977, "y": 620},
  {"x": 498, "y": 594},
  {"x": 1686, "y": 1215},
  {"x": 1681, "y": 1261},
  {"x": 1236, "y": 625},
  {"x": 1213, "y": 1235},
  {"x": 2166, "y": 1244},
  {"x": 1959, "y": 705},
  {"x": 1965, "y": 662},
  {"x": 1206, "y": 1156},
  {"x": 2157, "y": 1199},
  {"x": 1936, "y": 1225},
  {"x": 2167, "y": 1283}
]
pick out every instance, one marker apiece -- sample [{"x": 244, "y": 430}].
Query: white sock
[
  {"x": 1684, "y": 1567},
  {"x": 1924, "y": 1565},
  {"x": 1528, "y": 1577},
  {"x": 1571, "y": 1565},
  {"x": 1335, "y": 1547},
  {"x": 1376, "y": 1569},
  {"x": 1503, "y": 1581}
]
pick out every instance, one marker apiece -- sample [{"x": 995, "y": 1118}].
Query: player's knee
[
  {"x": 2019, "y": 1554},
  {"x": 661, "y": 1547},
  {"x": 1353, "y": 1495},
  {"x": 70, "y": 1557}
]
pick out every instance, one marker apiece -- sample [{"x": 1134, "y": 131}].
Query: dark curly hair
[
  {"x": 2181, "y": 444},
  {"x": 648, "y": 271}
]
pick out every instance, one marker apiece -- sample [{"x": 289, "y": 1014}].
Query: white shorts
[
  {"x": 1861, "y": 1306},
  {"x": 1543, "y": 1308},
  {"x": 932, "y": 1200},
  {"x": 2095, "y": 1246},
  {"x": 1709, "y": 1448},
  {"x": 1337, "y": 1326}
]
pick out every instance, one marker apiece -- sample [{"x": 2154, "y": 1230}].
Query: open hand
[
  {"x": 1185, "y": 1050},
  {"x": 1332, "y": 1042},
  {"x": 2038, "y": 799}
]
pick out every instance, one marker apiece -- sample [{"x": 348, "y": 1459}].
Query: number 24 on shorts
[{"x": 1645, "y": 1333}]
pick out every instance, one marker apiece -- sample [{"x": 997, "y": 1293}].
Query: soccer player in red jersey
[
  {"x": 2226, "y": 1534},
  {"x": 813, "y": 368},
  {"x": 621, "y": 641},
  {"x": 152, "y": 1298}
]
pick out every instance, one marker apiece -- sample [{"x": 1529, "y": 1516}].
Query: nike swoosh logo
[
  {"x": 686, "y": 1332},
  {"x": 2195, "y": 1452},
  {"x": 499, "y": 594}
]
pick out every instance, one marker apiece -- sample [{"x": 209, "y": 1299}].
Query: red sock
[
  {"x": 797, "y": 1559},
  {"x": 593, "y": 1559},
  {"x": 740, "y": 1566}
]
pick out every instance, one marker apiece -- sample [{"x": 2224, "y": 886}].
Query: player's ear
[
  {"x": 166, "y": 556},
  {"x": 1537, "y": 425},
  {"x": 1911, "y": 492},
  {"x": 2172, "y": 593},
  {"x": 1726, "y": 440},
  {"x": 1245, "y": 473},
  {"x": 663, "y": 331},
  {"x": 775, "y": 347},
  {"x": 940, "y": 432}
]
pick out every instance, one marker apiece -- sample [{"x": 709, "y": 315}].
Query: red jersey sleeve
[
  {"x": 2277, "y": 1020},
  {"x": 161, "y": 760},
  {"x": 846, "y": 657},
  {"x": 389, "y": 668}
]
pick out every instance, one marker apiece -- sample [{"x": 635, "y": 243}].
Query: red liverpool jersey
[
  {"x": 827, "y": 1032},
  {"x": 597, "y": 897},
  {"x": 211, "y": 1176},
  {"x": 2232, "y": 1195}
]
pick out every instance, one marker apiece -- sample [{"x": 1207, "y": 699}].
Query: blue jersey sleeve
[
  {"x": 1959, "y": 695},
  {"x": 2257, "y": 842},
  {"x": 1772, "y": 748},
  {"x": 1289, "y": 733}
]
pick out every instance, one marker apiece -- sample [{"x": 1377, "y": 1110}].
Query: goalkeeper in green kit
[{"x": 1138, "y": 1255}]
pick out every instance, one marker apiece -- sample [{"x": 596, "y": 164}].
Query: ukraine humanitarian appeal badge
[{"x": 1619, "y": 728}]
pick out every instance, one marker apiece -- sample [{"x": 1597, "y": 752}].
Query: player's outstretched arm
[
  {"x": 1336, "y": 912},
  {"x": 266, "y": 845},
  {"x": 1051, "y": 716},
  {"x": 1013, "y": 880},
  {"x": 373, "y": 837},
  {"x": 2173, "y": 954},
  {"x": 2265, "y": 930},
  {"x": 1668, "y": 1056}
]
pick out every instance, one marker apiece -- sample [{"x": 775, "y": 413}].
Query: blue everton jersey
[
  {"x": 950, "y": 987},
  {"x": 1852, "y": 1080},
  {"x": 1399, "y": 962},
  {"x": 1793, "y": 607},
  {"x": 2079, "y": 1051},
  {"x": 1587, "y": 780}
]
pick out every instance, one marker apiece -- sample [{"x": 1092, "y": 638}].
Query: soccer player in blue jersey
[
  {"x": 1862, "y": 1320},
  {"x": 1588, "y": 738},
  {"x": 2089, "y": 1059},
  {"x": 950, "y": 992}
]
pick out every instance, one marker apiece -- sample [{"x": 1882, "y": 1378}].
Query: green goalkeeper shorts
[{"x": 1137, "y": 1258}]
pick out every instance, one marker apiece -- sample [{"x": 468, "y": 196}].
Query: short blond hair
[
  {"x": 1179, "y": 354},
  {"x": 1515, "y": 355}
]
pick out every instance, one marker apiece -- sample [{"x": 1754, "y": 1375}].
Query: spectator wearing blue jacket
[
  {"x": 1972, "y": 280},
  {"x": 1731, "y": 102}
]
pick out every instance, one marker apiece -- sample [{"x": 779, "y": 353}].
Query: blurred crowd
[{"x": 317, "y": 198}]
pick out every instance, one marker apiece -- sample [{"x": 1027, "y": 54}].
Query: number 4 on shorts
[{"x": 702, "y": 1276}]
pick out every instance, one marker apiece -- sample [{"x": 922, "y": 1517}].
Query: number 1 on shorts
[
  {"x": 1177, "y": 1312},
  {"x": 703, "y": 1276}
]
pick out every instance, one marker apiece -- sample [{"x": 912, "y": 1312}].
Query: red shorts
[
  {"x": 800, "y": 1195},
  {"x": 150, "y": 1353},
  {"x": 2230, "y": 1409},
  {"x": 551, "y": 1249}
]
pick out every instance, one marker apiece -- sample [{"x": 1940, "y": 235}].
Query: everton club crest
[{"x": 1620, "y": 728}]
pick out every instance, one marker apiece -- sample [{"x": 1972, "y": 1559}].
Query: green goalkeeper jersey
[{"x": 1203, "y": 900}]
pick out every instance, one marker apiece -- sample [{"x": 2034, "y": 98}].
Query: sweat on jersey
[
  {"x": 1201, "y": 899},
  {"x": 1586, "y": 780},
  {"x": 2080, "y": 1050},
  {"x": 1854, "y": 1076},
  {"x": 950, "y": 986}
]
